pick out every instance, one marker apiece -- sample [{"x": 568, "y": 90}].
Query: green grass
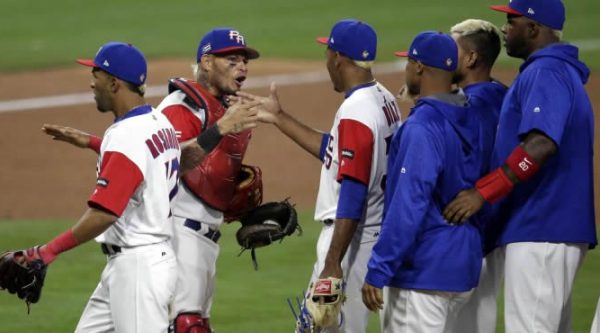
[
  {"x": 246, "y": 300},
  {"x": 39, "y": 34}
]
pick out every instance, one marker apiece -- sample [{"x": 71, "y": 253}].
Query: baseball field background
[{"x": 44, "y": 185}]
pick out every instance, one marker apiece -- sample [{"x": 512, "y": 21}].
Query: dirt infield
[{"x": 41, "y": 179}]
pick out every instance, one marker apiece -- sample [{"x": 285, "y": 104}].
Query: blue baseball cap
[
  {"x": 355, "y": 39},
  {"x": 224, "y": 40},
  {"x": 121, "y": 60},
  {"x": 434, "y": 49},
  {"x": 550, "y": 13}
]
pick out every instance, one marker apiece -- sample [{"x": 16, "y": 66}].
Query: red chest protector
[{"x": 214, "y": 180}]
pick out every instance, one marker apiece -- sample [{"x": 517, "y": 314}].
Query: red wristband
[
  {"x": 494, "y": 185},
  {"x": 522, "y": 164},
  {"x": 61, "y": 243},
  {"x": 95, "y": 143}
]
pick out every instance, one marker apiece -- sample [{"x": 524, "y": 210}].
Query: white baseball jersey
[
  {"x": 137, "y": 177},
  {"x": 363, "y": 126},
  {"x": 369, "y": 113},
  {"x": 187, "y": 204}
]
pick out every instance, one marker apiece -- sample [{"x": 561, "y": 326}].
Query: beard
[{"x": 405, "y": 95}]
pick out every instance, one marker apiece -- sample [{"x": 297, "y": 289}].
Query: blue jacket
[
  {"x": 485, "y": 99},
  {"x": 435, "y": 154},
  {"x": 557, "y": 204}
]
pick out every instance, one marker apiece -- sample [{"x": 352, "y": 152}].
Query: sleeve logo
[
  {"x": 347, "y": 153},
  {"x": 102, "y": 182}
]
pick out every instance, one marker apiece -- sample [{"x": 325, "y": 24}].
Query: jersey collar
[
  {"x": 360, "y": 86},
  {"x": 136, "y": 111}
]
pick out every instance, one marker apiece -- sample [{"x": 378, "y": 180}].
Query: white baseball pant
[
  {"x": 426, "y": 311},
  {"x": 134, "y": 292},
  {"x": 596, "y": 322},
  {"x": 538, "y": 282},
  {"x": 354, "y": 313},
  {"x": 196, "y": 269},
  {"x": 478, "y": 315}
]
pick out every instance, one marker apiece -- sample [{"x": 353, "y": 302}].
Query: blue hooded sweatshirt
[
  {"x": 557, "y": 204},
  {"x": 434, "y": 155},
  {"x": 485, "y": 99}
]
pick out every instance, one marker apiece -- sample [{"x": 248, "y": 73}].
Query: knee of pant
[{"x": 190, "y": 322}]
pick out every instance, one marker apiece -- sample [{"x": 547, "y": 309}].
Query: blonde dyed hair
[
  {"x": 472, "y": 26},
  {"x": 364, "y": 64}
]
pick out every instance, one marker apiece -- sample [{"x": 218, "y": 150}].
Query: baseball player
[
  {"x": 129, "y": 210},
  {"x": 543, "y": 179},
  {"x": 428, "y": 266},
  {"x": 200, "y": 108},
  {"x": 354, "y": 152},
  {"x": 478, "y": 44},
  {"x": 222, "y": 67}
]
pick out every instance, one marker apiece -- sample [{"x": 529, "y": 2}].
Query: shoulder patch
[
  {"x": 348, "y": 153},
  {"x": 102, "y": 182}
]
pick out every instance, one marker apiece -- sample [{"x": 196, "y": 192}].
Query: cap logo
[
  {"x": 449, "y": 62},
  {"x": 233, "y": 34},
  {"x": 206, "y": 48},
  {"x": 530, "y": 11},
  {"x": 331, "y": 40},
  {"x": 537, "y": 109},
  {"x": 414, "y": 52},
  {"x": 365, "y": 54},
  {"x": 142, "y": 77},
  {"x": 105, "y": 63}
]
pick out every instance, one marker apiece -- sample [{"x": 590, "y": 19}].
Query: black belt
[
  {"x": 213, "y": 235},
  {"x": 109, "y": 249},
  {"x": 328, "y": 222}
]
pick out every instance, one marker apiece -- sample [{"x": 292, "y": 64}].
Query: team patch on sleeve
[
  {"x": 348, "y": 153},
  {"x": 355, "y": 150},
  {"x": 117, "y": 182}
]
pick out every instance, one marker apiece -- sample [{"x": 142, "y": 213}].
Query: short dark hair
[
  {"x": 480, "y": 36},
  {"x": 486, "y": 44},
  {"x": 140, "y": 90}
]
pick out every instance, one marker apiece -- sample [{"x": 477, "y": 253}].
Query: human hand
[
  {"x": 465, "y": 205},
  {"x": 240, "y": 116},
  {"x": 67, "y": 134},
  {"x": 372, "y": 297},
  {"x": 270, "y": 107}
]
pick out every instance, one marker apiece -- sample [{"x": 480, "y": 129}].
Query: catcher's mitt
[
  {"x": 332, "y": 291},
  {"x": 23, "y": 273},
  {"x": 265, "y": 224},
  {"x": 248, "y": 193}
]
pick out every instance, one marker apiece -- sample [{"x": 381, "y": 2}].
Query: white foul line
[{"x": 19, "y": 105}]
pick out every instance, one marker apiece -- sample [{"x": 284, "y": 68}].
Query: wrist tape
[{"x": 209, "y": 139}]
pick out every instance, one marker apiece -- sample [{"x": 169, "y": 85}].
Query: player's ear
[
  {"x": 471, "y": 59},
  {"x": 533, "y": 29},
  {"x": 114, "y": 84},
  {"x": 419, "y": 67},
  {"x": 206, "y": 62}
]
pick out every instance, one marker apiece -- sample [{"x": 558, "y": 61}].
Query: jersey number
[
  {"x": 388, "y": 141},
  {"x": 172, "y": 170}
]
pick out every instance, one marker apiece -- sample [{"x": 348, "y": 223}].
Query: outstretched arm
[
  {"x": 271, "y": 112},
  {"x": 522, "y": 164},
  {"x": 73, "y": 136}
]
